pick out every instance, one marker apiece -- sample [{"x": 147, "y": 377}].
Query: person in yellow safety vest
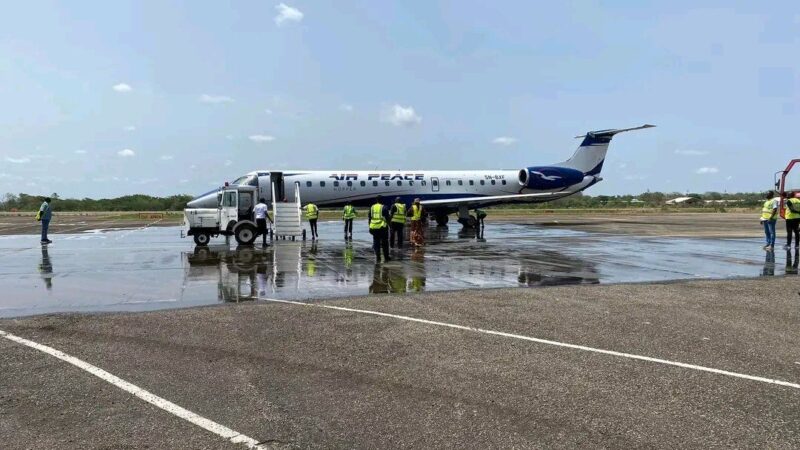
[
  {"x": 417, "y": 235},
  {"x": 792, "y": 215},
  {"x": 378, "y": 228},
  {"x": 398, "y": 213},
  {"x": 312, "y": 214},
  {"x": 769, "y": 216},
  {"x": 348, "y": 215}
]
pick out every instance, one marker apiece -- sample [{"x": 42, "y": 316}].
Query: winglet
[{"x": 610, "y": 133}]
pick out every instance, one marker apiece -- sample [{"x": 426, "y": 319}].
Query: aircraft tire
[
  {"x": 245, "y": 234},
  {"x": 201, "y": 239},
  {"x": 472, "y": 222},
  {"x": 442, "y": 220}
]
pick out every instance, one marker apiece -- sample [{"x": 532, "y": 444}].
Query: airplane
[{"x": 441, "y": 192}]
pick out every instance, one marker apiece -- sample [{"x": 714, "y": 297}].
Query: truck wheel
[
  {"x": 245, "y": 234},
  {"x": 201, "y": 238}
]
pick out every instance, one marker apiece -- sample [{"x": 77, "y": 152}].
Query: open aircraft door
[{"x": 789, "y": 181}]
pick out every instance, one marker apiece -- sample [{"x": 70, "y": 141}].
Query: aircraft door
[
  {"x": 435, "y": 184},
  {"x": 264, "y": 187},
  {"x": 277, "y": 180}
]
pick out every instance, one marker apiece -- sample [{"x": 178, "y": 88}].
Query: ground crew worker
[
  {"x": 417, "y": 235},
  {"x": 44, "y": 215},
  {"x": 792, "y": 215},
  {"x": 312, "y": 214},
  {"x": 348, "y": 215},
  {"x": 378, "y": 228},
  {"x": 398, "y": 214},
  {"x": 769, "y": 216},
  {"x": 261, "y": 211},
  {"x": 480, "y": 214}
]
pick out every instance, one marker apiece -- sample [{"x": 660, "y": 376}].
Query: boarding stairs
[{"x": 286, "y": 215}]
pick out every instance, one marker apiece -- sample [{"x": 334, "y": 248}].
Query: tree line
[{"x": 26, "y": 202}]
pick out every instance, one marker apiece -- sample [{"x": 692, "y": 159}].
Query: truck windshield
[{"x": 246, "y": 180}]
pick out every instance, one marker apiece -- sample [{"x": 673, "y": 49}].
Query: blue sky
[{"x": 110, "y": 98}]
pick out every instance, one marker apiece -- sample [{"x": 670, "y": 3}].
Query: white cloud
[
  {"x": 706, "y": 170},
  {"x": 623, "y": 165},
  {"x": 80, "y": 152},
  {"x": 346, "y": 107},
  {"x": 130, "y": 128},
  {"x": 183, "y": 181},
  {"x": 122, "y": 87},
  {"x": 215, "y": 99},
  {"x": 635, "y": 177},
  {"x": 729, "y": 178},
  {"x": 287, "y": 14},
  {"x": 691, "y": 152},
  {"x": 268, "y": 111},
  {"x": 125, "y": 153},
  {"x": 166, "y": 157},
  {"x": 504, "y": 140},
  {"x": 23, "y": 160},
  {"x": 402, "y": 116},
  {"x": 261, "y": 138},
  {"x": 228, "y": 162}
]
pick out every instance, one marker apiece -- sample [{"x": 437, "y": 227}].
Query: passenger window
[
  {"x": 504, "y": 182},
  {"x": 387, "y": 183},
  {"x": 363, "y": 183},
  {"x": 494, "y": 182},
  {"x": 435, "y": 182},
  {"x": 350, "y": 183},
  {"x": 410, "y": 183},
  {"x": 460, "y": 183},
  {"x": 321, "y": 184},
  {"x": 472, "y": 182},
  {"x": 308, "y": 184},
  {"x": 483, "y": 182},
  {"x": 399, "y": 183},
  {"x": 447, "y": 182},
  {"x": 374, "y": 183},
  {"x": 424, "y": 183},
  {"x": 335, "y": 184}
]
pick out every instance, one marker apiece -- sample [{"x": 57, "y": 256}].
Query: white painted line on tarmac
[
  {"x": 166, "y": 405},
  {"x": 549, "y": 342}
]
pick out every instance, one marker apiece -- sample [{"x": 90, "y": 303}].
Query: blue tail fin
[{"x": 591, "y": 154}]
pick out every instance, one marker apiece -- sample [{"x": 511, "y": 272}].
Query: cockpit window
[{"x": 246, "y": 180}]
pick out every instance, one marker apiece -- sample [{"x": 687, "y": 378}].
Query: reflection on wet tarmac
[
  {"x": 46, "y": 268},
  {"x": 153, "y": 268}
]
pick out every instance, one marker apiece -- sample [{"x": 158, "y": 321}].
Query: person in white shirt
[{"x": 262, "y": 215}]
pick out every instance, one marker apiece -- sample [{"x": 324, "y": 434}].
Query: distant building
[
  {"x": 723, "y": 202},
  {"x": 683, "y": 201}
]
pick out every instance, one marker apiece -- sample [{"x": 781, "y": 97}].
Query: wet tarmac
[{"x": 152, "y": 268}]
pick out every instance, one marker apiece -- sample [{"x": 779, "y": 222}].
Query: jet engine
[{"x": 549, "y": 177}]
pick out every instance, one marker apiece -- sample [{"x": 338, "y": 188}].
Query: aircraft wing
[{"x": 491, "y": 198}]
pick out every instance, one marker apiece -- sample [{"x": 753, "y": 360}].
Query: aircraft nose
[{"x": 207, "y": 200}]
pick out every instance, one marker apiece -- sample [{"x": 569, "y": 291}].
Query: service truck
[{"x": 232, "y": 217}]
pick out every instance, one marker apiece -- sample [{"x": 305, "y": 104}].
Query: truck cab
[{"x": 232, "y": 217}]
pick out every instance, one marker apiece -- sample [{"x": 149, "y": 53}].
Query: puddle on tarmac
[{"x": 145, "y": 269}]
